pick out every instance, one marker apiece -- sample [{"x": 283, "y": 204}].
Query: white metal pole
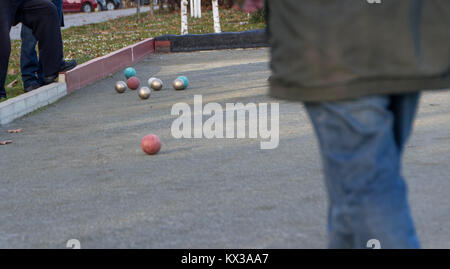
[
  {"x": 199, "y": 6},
  {"x": 195, "y": 9}
]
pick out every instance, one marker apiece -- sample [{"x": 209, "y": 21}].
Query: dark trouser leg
[
  {"x": 29, "y": 63},
  {"x": 59, "y": 6},
  {"x": 42, "y": 17},
  {"x": 5, "y": 43},
  {"x": 404, "y": 108},
  {"x": 30, "y": 66}
]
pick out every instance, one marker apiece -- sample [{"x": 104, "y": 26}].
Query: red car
[{"x": 79, "y": 5}]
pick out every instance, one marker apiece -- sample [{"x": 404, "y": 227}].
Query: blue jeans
[
  {"x": 30, "y": 66},
  {"x": 361, "y": 143}
]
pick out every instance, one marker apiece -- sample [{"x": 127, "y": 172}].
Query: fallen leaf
[
  {"x": 14, "y": 82},
  {"x": 11, "y": 71},
  {"x": 15, "y": 131}
]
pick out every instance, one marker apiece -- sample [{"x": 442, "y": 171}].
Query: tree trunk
[
  {"x": 151, "y": 13},
  {"x": 215, "y": 8},
  {"x": 138, "y": 10},
  {"x": 184, "y": 17}
]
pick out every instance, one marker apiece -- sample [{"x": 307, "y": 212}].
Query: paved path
[
  {"x": 77, "y": 19},
  {"x": 77, "y": 170}
]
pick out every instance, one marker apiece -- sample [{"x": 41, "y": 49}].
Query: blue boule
[
  {"x": 185, "y": 81},
  {"x": 129, "y": 72}
]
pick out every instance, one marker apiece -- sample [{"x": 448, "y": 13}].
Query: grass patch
[{"x": 87, "y": 42}]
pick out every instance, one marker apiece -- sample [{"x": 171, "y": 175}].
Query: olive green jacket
[{"x": 341, "y": 49}]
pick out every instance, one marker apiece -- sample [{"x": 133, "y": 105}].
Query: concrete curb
[
  {"x": 186, "y": 43},
  {"x": 81, "y": 76},
  {"x": 101, "y": 67},
  {"x": 23, "y": 104}
]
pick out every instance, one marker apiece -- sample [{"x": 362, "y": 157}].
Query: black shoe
[
  {"x": 65, "y": 66},
  {"x": 31, "y": 87},
  {"x": 68, "y": 65},
  {"x": 50, "y": 79}
]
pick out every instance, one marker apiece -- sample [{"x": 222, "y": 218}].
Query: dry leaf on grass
[
  {"x": 4, "y": 142},
  {"x": 14, "y": 82}
]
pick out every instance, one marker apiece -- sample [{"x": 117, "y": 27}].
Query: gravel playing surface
[{"x": 77, "y": 169}]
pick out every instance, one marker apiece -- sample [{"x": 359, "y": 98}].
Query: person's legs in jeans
[
  {"x": 361, "y": 143},
  {"x": 404, "y": 108},
  {"x": 30, "y": 66},
  {"x": 42, "y": 17},
  {"x": 59, "y": 8},
  {"x": 5, "y": 44},
  {"x": 29, "y": 63}
]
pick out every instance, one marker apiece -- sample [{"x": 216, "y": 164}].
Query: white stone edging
[{"x": 23, "y": 104}]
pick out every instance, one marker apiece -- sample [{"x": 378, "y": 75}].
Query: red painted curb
[
  {"x": 142, "y": 49},
  {"x": 99, "y": 68},
  {"x": 162, "y": 46}
]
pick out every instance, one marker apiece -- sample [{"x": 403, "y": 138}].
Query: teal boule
[
  {"x": 129, "y": 72},
  {"x": 185, "y": 80}
]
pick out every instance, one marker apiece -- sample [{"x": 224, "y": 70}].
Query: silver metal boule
[
  {"x": 144, "y": 92},
  {"x": 150, "y": 81},
  {"x": 178, "y": 84},
  {"x": 156, "y": 84},
  {"x": 120, "y": 87}
]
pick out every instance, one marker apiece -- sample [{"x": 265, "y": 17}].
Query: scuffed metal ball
[
  {"x": 155, "y": 83},
  {"x": 150, "y": 80},
  {"x": 120, "y": 86},
  {"x": 178, "y": 84},
  {"x": 144, "y": 92}
]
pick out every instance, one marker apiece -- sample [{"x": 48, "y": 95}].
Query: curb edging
[
  {"x": 23, "y": 104},
  {"x": 198, "y": 42},
  {"x": 101, "y": 67},
  {"x": 81, "y": 76}
]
